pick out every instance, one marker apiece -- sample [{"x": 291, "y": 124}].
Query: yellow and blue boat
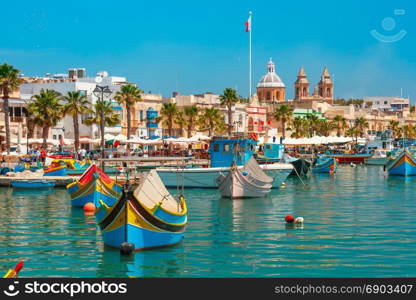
[
  {"x": 325, "y": 164},
  {"x": 148, "y": 217},
  {"x": 55, "y": 170},
  {"x": 93, "y": 186},
  {"x": 402, "y": 164},
  {"x": 73, "y": 167}
]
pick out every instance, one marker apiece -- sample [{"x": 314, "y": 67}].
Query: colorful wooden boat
[
  {"x": 403, "y": 164},
  {"x": 33, "y": 184},
  {"x": 73, "y": 167},
  {"x": 325, "y": 164},
  {"x": 148, "y": 217},
  {"x": 94, "y": 185},
  {"x": 55, "y": 170},
  {"x": 249, "y": 182},
  {"x": 12, "y": 273}
]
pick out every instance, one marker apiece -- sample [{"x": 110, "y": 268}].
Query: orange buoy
[
  {"x": 89, "y": 207},
  {"x": 289, "y": 219}
]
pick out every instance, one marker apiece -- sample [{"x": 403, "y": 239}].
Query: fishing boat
[
  {"x": 33, "y": 184},
  {"x": 379, "y": 157},
  {"x": 13, "y": 273},
  {"x": 93, "y": 185},
  {"x": 274, "y": 153},
  {"x": 249, "y": 182},
  {"x": 325, "y": 164},
  {"x": 55, "y": 170},
  {"x": 223, "y": 153},
  {"x": 146, "y": 217},
  {"x": 73, "y": 167},
  {"x": 402, "y": 164}
]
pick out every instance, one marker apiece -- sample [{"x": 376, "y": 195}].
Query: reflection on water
[{"x": 358, "y": 222}]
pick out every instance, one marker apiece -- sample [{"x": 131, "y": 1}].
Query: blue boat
[
  {"x": 325, "y": 164},
  {"x": 148, "y": 217},
  {"x": 33, "y": 184},
  {"x": 402, "y": 164},
  {"x": 93, "y": 186}
]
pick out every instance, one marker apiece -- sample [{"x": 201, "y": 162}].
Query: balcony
[{"x": 17, "y": 119}]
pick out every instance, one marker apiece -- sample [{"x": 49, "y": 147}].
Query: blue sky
[{"x": 199, "y": 46}]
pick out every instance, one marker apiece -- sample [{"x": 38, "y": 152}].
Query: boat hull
[
  {"x": 235, "y": 186},
  {"x": 351, "y": 158},
  {"x": 207, "y": 177},
  {"x": 328, "y": 166},
  {"x": 129, "y": 222},
  {"x": 59, "y": 171},
  {"x": 376, "y": 161},
  {"x": 40, "y": 184},
  {"x": 403, "y": 165}
]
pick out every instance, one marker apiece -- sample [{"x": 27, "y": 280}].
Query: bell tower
[
  {"x": 326, "y": 87},
  {"x": 301, "y": 85}
]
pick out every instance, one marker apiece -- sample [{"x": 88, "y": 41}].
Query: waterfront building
[
  {"x": 75, "y": 80},
  {"x": 389, "y": 104},
  {"x": 144, "y": 117}
]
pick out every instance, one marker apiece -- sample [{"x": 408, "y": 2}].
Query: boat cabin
[
  {"x": 382, "y": 140},
  {"x": 224, "y": 152},
  {"x": 274, "y": 151}
]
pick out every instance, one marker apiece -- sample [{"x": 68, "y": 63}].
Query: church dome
[{"x": 271, "y": 79}]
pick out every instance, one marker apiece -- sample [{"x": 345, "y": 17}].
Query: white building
[
  {"x": 389, "y": 104},
  {"x": 75, "y": 81}
]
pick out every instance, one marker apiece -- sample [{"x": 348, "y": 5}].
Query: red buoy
[
  {"x": 89, "y": 207},
  {"x": 289, "y": 219}
]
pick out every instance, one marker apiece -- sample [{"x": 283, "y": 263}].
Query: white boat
[
  {"x": 378, "y": 158},
  {"x": 247, "y": 182},
  {"x": 206, "y": 177}
]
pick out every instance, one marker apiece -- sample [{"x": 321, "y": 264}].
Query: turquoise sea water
[{"x": 358, "y": 223}]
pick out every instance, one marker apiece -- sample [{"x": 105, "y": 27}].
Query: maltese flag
[{"x": 248, "y": 24}]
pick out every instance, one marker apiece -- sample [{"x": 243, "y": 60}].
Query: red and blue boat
[
  {"x": 93, "y": 186},
  {"x": 357, "y": 158},
  {"x": 402, "y": 164},
  {"x": 325, "y": 164},
  {"x": 143, "y": 218}
]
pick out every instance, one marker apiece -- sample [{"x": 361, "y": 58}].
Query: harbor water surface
[{"x": 358, "y": 223}]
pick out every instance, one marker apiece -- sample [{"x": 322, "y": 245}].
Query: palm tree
[
  {"x": 191, "y": 113},
  {"x": 298, "y": 127},
  {"x": 128, "y": 95},
  {"x": 283, "y": 114},
  {"x": 325, "y": 127},
  {"x": 361, "y": 123},
  {"x": 168, "y": 113},
  {"x": 180, "y": 121},
  {"x": 110, "y": 118},
  {"x": 409, "y": 131},
  {"x": 211, "y": 120},
  {"x": 46, "y": 111},
  {"x": 229, "y": 98},
  {"x": 9, "y": 81},
  {"x": 394, "y": 127},
  {"x": 352, "y": 132},
  {"x": 341, "y": 124},
  {"x": 313, "y": 123},
  {"x": 76, "y": 105}
]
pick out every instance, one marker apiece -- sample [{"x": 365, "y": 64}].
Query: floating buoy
[
  {"x": 126, "y": 248},
  {"x": 89, "y": 207},
  {"x": 299, "y": 220},
  {"x": 283, "y": 185},
  {"x": 289, "y": 219},
  {"x": 352, "y": 164}
]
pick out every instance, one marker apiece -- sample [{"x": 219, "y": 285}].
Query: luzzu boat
[
  {"x": 148, "y": 217},
  {"x": 325, "y": 165},
  {"x": 55, "y": 170},
  {"x": 402, "y": 164},
  {"x": 73, "y": 167},
  {"x": 93, "y": 186}
]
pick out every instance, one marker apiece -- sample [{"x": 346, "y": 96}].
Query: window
[
  {"x": 268, "y": 96},
  {"x": 216, "y": 147},
  {"x": 328, "y": 92},
  {"x": 278, "y": 96},
  {"x": 226, "y": 148},
  {"x": 304, "y": 92},
  {"x": 54, "y": 136},
  {"x": 297, "y": 92}
]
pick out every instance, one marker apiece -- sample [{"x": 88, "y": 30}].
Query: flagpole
[{"x": 249, "y": 58}]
